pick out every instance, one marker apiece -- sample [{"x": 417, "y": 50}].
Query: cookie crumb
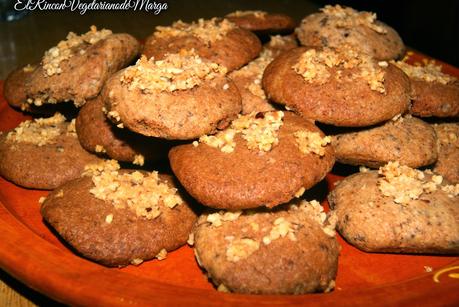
[
  {"x": 207, "y": 31},
  {"x": 141, "y": 193},
  {"x": 139, "y": 160},
  {"x": 178, "y": 71},
  {"x": 240, "y": 249},
  {"x": 314, "y": 66},
  {"x": 430, "y": 72},
  {"x": 311, "y": 142},
  {"x": 109, "y": 218},
  {"x": 346, "y": 17},
  {"x": 161, "y": 255},
  {"x": 428, "y": 269},
  {"x": 136, "y": 261},
  {"x": 65, "y": 49}
]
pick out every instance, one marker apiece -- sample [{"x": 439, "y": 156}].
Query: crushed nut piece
[
  {"x": 41, "y": 200},
  {"x": 346, "y": 17},
  {"x": 430, "y": 72},
  {"x": 141, "y": 193},
  {"x": 65, "y": 49},
  {"x": 223, "y": 288},
  {"x": 314, "y": 66},
  {"x": 139, "y": 160},
  {"x": 29, "y": 68},
  {"x": 99, "y": 148},
  {"x": 178, "y": 71},
  {"x": 241, "y": 249},
  {"x": 223, "y": 140},
  {"x": 60, "y": 193},
  {"x": 190, "y": 240},
  {"x": 40, "y": 131},
  {"x": 281, "y": 228},
  {"x": 311, "y": 142},
  {"x": 208, "y": 31},
  {"x": 109, "y": 219},
  {"x": 428, "y": 269},
  {"x": 162, "y": 254},
  {"x": 216, "y": 219},
  {"x": 363, "y": 169},
  {"x": 257, "y": 14},
  {"x": 136, "y": 261},
  {"x": 300, "y": 192},
  {"x": 316, "y": 212}
]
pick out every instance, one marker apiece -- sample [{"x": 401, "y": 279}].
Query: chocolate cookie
[
  {"x": 180, "y": 97},
  {"x": 261, "y": 159},
  {"x": 434, "y": 93},
  {"x": 262, "y": 22},
  {"x": 336, "y": 26},
  {"x": 117, "y": 227},
  {"x": 448, "y": 151},
  {"x": 43, "y": 153},
  {"x": 408, "y": 140},
  {"x": 292, "y": 250},
  {"x": 77, "y": 68},
  {"x": 14, "y": 88},
  {"x": 398, "y": 210},
  {"x": 248, "y": 81},
  {"x": 338, "y": 87},
  {"x": 219, "y": 41},
  {"x": 98, "y": 135}
]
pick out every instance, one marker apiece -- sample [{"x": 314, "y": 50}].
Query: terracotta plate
[{"x": 33, "y": 254}]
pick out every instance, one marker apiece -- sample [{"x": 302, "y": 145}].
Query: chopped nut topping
[
  {"x": 28, "y": 68},
  {"x": 99, "y": 148},
  {"x": 136, "y": 261},
  {"x": 279, "y": 40},
  {"x": 216, "y": 219},
  {"x": 65, "y": 49},
  {"x": 363, "y": 169},
  {"x": 346, "y": 17},
  {"x": 300, "y": 192},
  {"x": 257, "y": 14},
  {"x": 71, "y": 130},
  {"x": 314, "y": 66},
  {"x": 430, "y": 72},
  {"x": 60, "y": 193},
  {"x": 40, "y": 131},
  {"x": 404, "y": 183},
  {"x": 241, "y": 249},
  {"x": 260, "y": 132},
  {"x": 208, "y": 31},
  {"x": 281, "y": 228},
  {"x": 311, "y": 142},
  {"x": 447, "y": 134},
  {"x": 141, "y": 193},
  {"x": 178, "y": 71},
  {"x": 316, "y": 212},
  {"x": 139, "y": 160},
  {"x": 162, "y": 254},
  {"x": 190, "y": 240},
  {"x": 109, "y": 219}
]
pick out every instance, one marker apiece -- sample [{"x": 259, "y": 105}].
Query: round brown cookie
[
  {"x": 354, "y": 91},
  {"x": 292, "y": 250},
  {"x": 42, "y": 154},
  {"x": 262, "y": 22},
  {"x": 248, "y": 81},
  {"x": 278, "y": 44},
  {"x": 115, "y": 235},
  {"x": 97, "y": 134},
  {"x": 408, "y": 140},
  {"x": 77, "y": 68},
  {"x": 434, "y": 93},
  {"x": 448, "y": 151},
  {"x": 218, "y": 41},
  {"x": 335, "y": 26},
  {"x": 180, "y": 97},
  {"x": 396, "y": 212},
  {"x": 254, "y": 162}
]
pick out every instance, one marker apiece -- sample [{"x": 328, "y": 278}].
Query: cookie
[
  {"x": 262, "y": 22},
  {"x": 216, "y": 40},
  {"x": 261, "y": 159},
  {"x": 43, "y": 153},
  {"x": 180, "y": 97},
  {"x": 77, "y": 68},
  {"x": 98, "y": 135},
  {"x": 278, "y": 44},
  {"x": 14, "y": 88},
  {"x": 292, "y": 250},
  {"x": 117, "y": 227},
  {"x": 338, "y": 87},
  {"x": 335, "y": 26},
  {"x": 448, "y": 151},
  {"x": 248, "y": 81},
  {"x": 407, "y": 139},
  {"x": 399, "y": 210},
  {"x": 434, "y": 93}
]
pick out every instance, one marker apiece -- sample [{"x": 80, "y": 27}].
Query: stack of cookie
[{"x": 236, "y": 121}]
